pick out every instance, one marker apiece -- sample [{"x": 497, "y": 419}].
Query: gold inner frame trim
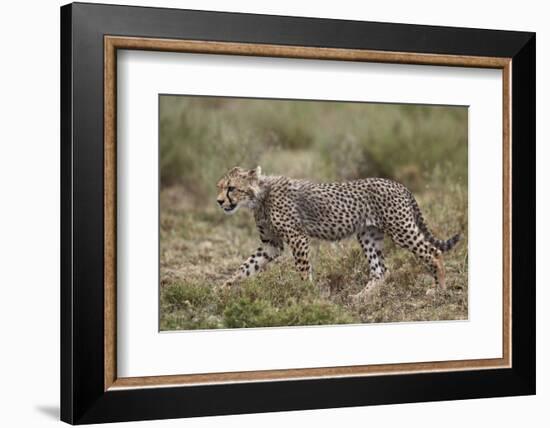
[{"x": 113, "y": 43}]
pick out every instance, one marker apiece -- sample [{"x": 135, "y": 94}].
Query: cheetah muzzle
[{"x": 293, "y": 211}]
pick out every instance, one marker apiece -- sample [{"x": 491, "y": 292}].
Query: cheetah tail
[
  {"x": 449, "y": 243},
  {"x": 444, "y": 246}
]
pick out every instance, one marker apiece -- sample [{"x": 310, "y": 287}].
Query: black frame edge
[
  {"x": 306, "y": 31},
  {"x": 66, "y": 316},
  {"x": 524, "y": 213}
]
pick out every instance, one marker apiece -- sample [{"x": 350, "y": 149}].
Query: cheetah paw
[{"x": 366, "y": 293}]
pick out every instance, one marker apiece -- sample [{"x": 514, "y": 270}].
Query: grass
[{"x": 423, "y": 147}]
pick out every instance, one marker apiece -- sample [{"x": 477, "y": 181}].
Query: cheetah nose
[{"x": 220, "y": 201}]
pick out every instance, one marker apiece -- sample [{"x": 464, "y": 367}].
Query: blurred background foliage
[{"x": 202, "y": 137}]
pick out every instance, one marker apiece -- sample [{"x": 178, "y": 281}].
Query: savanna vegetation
[{"x": 424, "y": 147}]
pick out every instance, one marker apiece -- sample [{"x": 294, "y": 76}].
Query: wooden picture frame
[{"x": 91, "y": 390}]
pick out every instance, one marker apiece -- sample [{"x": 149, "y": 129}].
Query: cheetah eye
[{"x": 230, "y": 188}]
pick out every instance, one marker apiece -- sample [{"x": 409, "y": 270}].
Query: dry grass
[{"x": 201, "y": 248}]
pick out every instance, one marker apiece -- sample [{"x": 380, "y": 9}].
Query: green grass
[{"x": 423, "y": 147}]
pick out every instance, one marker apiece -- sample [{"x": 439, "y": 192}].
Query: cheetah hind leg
[
  {"x": 414, "y": 241},
  {"x": 372, "y": 242},
  {"x": 432, "y": 259},
  {"x": 435, "y": 265}
]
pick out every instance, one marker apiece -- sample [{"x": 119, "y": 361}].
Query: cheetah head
[{"x": 238, "y": 188}]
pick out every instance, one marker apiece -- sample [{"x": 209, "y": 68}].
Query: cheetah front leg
[
  {"x": 300, "y": 250},
  {"x": 372, "y": 242},
  {"x": 269, "y": 251}
]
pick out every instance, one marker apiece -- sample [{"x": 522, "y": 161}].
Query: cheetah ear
[
  {"x": 235, "y": 170},
  {"x": 255, "y": 173}
]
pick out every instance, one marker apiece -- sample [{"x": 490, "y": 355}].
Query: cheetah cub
[{"x": 292, "y": 211}]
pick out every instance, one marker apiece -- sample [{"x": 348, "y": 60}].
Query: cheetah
[{"x": 293, "y": 211}]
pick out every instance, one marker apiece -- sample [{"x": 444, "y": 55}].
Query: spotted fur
[{"x": 292, "y": 211}]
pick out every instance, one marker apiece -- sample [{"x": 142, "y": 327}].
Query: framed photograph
[{"x": 266, "y": 213}]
